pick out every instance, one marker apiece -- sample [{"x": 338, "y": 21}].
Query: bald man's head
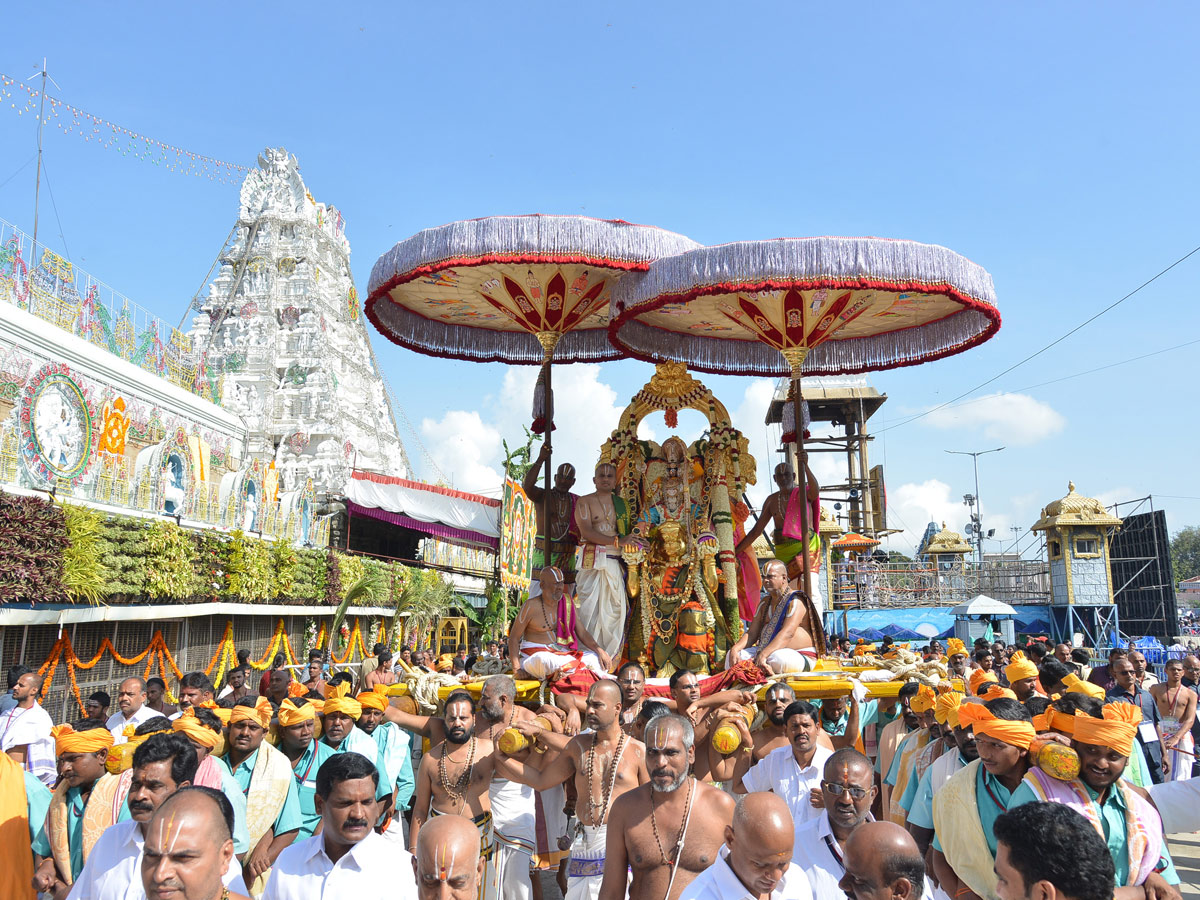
[
  {"x": 447, "y": 859},
  {"x": 882, "y": 862},
  {"x": 603, "y": 705},
  {"x": 760, "y": 840},
  {"x": 188, "y": 846}
]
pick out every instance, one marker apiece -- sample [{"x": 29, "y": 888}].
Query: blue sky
[{"x": 1052, "y": 143}]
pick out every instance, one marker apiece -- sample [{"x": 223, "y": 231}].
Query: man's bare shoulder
[
  {"x": 715, "y": 801},
  {"x": 630, "y": 802}
]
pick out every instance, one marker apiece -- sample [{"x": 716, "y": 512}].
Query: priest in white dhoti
[{"x": 599, "y": 582}]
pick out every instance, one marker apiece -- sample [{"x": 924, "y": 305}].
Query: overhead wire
[{"x": 1052, "y": 344}]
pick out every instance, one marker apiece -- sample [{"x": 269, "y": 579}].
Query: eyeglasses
[{"x": 838, "y": 789}]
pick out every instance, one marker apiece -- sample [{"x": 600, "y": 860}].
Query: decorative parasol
[
  {"x": 515, "y": 289},
  {"x": 826, "y": 305},
  {"x": 854, "y": 541}
]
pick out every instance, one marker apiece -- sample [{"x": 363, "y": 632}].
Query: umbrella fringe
[
  {"x": 893, "y": 349},
  {"x": 526, "y": 240},
  {"x": 414, "y": 331}
]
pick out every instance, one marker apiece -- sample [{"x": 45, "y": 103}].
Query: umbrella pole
[
  {"x": 795, "y": 358},
  {"x": 548, "y": 340}
]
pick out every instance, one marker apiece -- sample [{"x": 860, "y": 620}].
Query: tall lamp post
[{"x": 975, "y": 454}]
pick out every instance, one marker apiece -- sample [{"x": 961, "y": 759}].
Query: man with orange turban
[
  {"x": 265, "y": 777},
  {"x": 74, "y": 821},
  {"x": 340, "y": 713},
  {"x": 1022, "y": 676},
  {"x": 978, "y": 677},
  {"x": 961, "y": 752},
  {"x": 297, "y": 726},
  {"x": 395, "y": 752},
  {"x": 966, "y": 807},
  {"x": 956, "y": 658},
  {"x": 904, "y": 760},
  {"x": 940, "y": 740},
  {"x": 892, "y": 737},
  {"x": 1128, "y": 823}
]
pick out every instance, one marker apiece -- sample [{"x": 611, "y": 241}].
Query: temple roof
[
  {"x": 1075, "y": 509},
  {"x": 828, "y": 524},
  {"x": 947, "y": 541}
]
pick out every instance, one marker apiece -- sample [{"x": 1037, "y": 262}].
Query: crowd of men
[{"x": 307, "y": 788}]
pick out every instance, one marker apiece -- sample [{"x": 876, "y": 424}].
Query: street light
[{"x": 968, "y": 499}]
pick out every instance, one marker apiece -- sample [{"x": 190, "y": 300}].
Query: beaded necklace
[
  {"x": 458, "y": 789},
  {"x": 672, "y": 860},
  {"x": 598, "y": 812}
]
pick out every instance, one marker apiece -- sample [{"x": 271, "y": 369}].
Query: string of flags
[{"x": 23, "y": 98}]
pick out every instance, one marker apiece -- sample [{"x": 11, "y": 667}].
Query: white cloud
[
  {"x": 912, "y": 506},
  {"x": 1016, "y": 419},
  {"x": 465, "y": 449}
]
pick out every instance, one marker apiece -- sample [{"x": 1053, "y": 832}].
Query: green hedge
[{"x": 57, "y": 553}]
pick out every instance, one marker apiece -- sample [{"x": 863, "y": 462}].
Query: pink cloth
[
  {"x": 565, "y": 625},
  {"x": 792, "y": 526}
]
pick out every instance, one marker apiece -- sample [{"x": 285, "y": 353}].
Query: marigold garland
[{"x": 158, "y": 655}]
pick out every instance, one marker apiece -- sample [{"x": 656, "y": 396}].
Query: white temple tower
[{"x": 283, "y": 328}]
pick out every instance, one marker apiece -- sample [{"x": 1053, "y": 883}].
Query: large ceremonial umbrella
[
  {"x": 824, "y": 305},
  {"x": 512, "y": 289}
]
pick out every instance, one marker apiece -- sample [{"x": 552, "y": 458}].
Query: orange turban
[
  {"x": 290, "y": 714},
  {"x": 923, "y": 701},
  {"x": 991, "y": 690},
  {"x": 296, "y": 689},
  {"x": 955, "y": 647},
  {"x": 1116, "y": 730},
  {"x": 945, "y": 710},
  {"x": 977, "y": 716},
  {"x": 1041, "y": 722},
  {"x": 978, "y": 677},
  {"x": 1020, "y": 667},
  {"x": 1073, "y": 684},
  {"x": 1057, "y": 720},
  {"x": 347, "y": 705},
  {"x": 195, "y": 730},
  {"x": 373, "y": 700},
  {"x": 260, "y": 713},
  {"x": 219, "y": 711},
  {"x": 68, "y": 740}
]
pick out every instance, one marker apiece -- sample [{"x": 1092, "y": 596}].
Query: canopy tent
[{"x": 456, "y": 516}]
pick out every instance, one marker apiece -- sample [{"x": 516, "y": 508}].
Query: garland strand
[{"x": 110, "y": 135}]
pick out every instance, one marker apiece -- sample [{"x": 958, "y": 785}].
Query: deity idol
[{"x": 673, "y": 574}]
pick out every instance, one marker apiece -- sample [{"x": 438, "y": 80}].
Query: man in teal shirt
[
  {"x": 1104, "y": 746},
  {"x": 81, "y": 755},
  {"x": 339, "y": 716},
  {"x": 248, "y": 723},
  {"x": 394, "y": 743},
  {"x": 297, "y": 721}
]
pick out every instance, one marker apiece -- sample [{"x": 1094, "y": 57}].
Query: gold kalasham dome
[
  {"x": 947, "y": 541},
  {"x": 828, "y": 524},
  {"x": 1075, "y": 509}
]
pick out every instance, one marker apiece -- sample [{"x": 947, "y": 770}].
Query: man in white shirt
[
  {"x": 347, "y": 858},
  {"x": 848, "y": 790},
  {"x": 447, "y": 862},
  {"x": 882, "y": 863},
  {"x": 756, "y": 861},
  {"x": 113, "y": 871},
  {"x": 131, "y": 708},
  {"x": 25, "y": 730},
  {"x": 793, "y": 772}
]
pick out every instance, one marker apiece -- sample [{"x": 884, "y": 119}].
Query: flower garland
[{"x": 63, "y": 651}]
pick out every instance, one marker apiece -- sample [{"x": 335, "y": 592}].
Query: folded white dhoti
[
  {"x": 585, "y": 871},
  {"x": 513, "y": 827},
  {"x": 785, "y": 660},
  {"x": 542, "y": 661},
  {"x": 600, "y": 589}
]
